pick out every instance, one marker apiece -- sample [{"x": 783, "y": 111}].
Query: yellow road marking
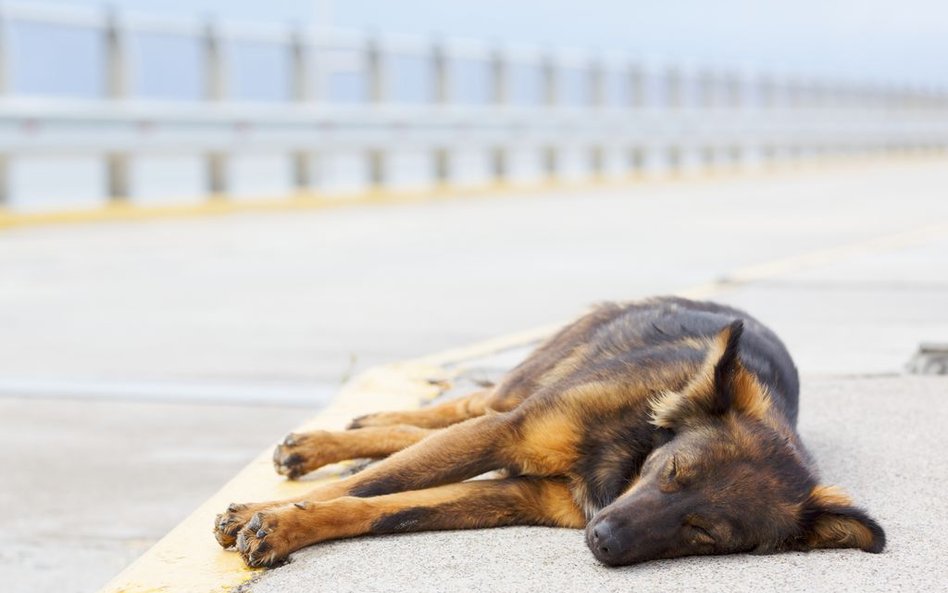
[
  {"x": 188, "y": 560},
  {"x": 215, "y": 205},
  {"x": 820, "y": 257}
]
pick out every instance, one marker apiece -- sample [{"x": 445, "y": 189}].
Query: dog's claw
[
  {"x": 228, "y": 524},
  {"x": 242, "y": 544},
  {"x": 291, "y": 465},
  {"x": 357, "y": 422}
]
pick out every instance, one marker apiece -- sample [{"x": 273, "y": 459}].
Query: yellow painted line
[
  {"x": 188, "y": 559},
  {"x": 739, "y": 277},
  {"x": 821, "y": 257},
  {"x": 216, "y": 205}
]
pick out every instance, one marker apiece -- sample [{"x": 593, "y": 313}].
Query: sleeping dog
[{"x": 664, "y": 427}]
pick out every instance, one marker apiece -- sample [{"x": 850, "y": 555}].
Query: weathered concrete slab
[{"x": 88, "y": 485}]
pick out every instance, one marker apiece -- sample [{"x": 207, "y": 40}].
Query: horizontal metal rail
[{"x": 534, "y": 113}]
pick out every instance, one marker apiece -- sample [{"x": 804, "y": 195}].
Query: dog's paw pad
[
  {"x": 287, "y": 463},
  {"x": 301, "y": 453}
]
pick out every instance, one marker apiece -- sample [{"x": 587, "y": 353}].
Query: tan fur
[
  {"x": 275, "y": 532},
  {"x": 749, "y": 395},
  {"x": 305, "y": 452},
  {"x": 546, "y": 444},
  {"x": 437, "y": 416},
  {"x": 839, "y": 532}
]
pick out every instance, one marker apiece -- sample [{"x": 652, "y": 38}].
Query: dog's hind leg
[
  {"x": 301, "y": 453},
  {"x": 272, "y": 534},
  {"x": 436, "y": 416}
]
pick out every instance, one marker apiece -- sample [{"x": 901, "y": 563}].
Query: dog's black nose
[{"x": 601, "y": 539}]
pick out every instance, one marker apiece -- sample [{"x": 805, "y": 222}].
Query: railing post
[
  {"x": 118, "y": 177},
  {"x": 550, "y": 83},
  {"x": 767, "y": 92},
  {"x": 215, "y": 89},
  {"x": 301, "y": 92},
  {"x": 117, "y": 79},
  {"x": 377, "y": 94},
  {"x": 117, "y": 87},
  {"x": 597, "y": 84},
  {"x": 375, "y": 70},
  {"x": 217, "y": 174},
  {"x": 550, "y": 98},
  {"x": 301, "y": 68},
  {"x": 442, "y": 159},
  {"x": 302, "y": 171},
  {"x": 500, "y": 85},
  {"x": 500, "y": 96},
  {"x": 673, "y": 87},
  {"x": 706, "y": 97},
  {"x": 441, "y": 74},
  {"x": 733, "y": 90},
  {"x": 636, "y": 82},
  {"x": 215, "y": 67}
]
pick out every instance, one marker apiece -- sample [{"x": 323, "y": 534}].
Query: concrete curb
[{"x": 188, "y": 560}]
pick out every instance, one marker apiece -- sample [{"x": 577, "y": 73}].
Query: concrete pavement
[
  {"x": 880, "y": 438},
  {"x": 295, "y": 303},
  {"x": 308, "y": 298},
  {"x": 89, "y": 485},
  {"x": 851, "y": 324}
]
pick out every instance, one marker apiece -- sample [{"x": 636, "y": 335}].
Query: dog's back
[{"x": 657, "y": 344}]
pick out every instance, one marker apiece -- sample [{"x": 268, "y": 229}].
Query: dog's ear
[
  {"x": 829, "y": 520},
  {"x": 721, "y": 384}
]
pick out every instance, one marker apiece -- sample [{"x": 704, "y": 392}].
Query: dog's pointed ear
[
  {"x": 830, "y": 520},
  {"x": 720, "y": 385}
]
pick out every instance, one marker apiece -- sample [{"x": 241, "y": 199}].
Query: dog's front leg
[
  {"x": 273, "y": 534},
  {"x": 301, "y": 453},
  {"x": 450, "y": 455}
]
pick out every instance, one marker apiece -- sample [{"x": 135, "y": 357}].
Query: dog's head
[{"x": 731, "y": 477}]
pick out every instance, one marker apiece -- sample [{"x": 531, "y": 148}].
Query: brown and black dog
[{"x": 664, "y": 427}]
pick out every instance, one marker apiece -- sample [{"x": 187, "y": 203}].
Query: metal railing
[{"x": 356, "y": 111}]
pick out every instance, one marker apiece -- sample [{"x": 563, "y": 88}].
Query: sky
[{"x": 883, "y": 40}]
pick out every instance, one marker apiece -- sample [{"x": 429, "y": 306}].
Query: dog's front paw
[
  {"x": 272, "y": 535},
  {"x": 301, "y": 453},
  {"x": 229, "y": 523},
  {"x": 259, "y": 543}
]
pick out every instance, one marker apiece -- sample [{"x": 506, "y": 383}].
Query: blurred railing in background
[{"x": 154, "y": 111}]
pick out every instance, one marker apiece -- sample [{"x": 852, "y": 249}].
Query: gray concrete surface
[
  {"x": 882, "y": 439},
  {"x": 102, "y": 326},
  {"x": 309, "y": 297},
  {"x": 87, "y": 486}
]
